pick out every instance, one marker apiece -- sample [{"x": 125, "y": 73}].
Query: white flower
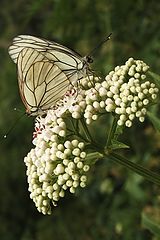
[
  {"x": 58, "y": 160},
  {"x": 125, "y": 91},
  {"x": 55, "y": 164}
]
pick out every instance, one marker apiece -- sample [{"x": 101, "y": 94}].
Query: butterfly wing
[
  {"x": 69, "y": 61},
  {"x": 33, "y": 57},
  {"x": 41, "y": 45},
  {"x": 41, "y": 82}
]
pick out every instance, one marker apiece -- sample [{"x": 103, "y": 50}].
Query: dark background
[{"x": 110, "y": 206}]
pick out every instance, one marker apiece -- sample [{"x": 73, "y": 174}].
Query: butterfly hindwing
[{"x": 41, "y": 82}]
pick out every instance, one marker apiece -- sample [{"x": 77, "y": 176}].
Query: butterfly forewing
[
  {"x": 68, "y": 60},
  {"x": 41, "y": 45}
]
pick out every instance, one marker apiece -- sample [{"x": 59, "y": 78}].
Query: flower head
[
  {"x": 55, "y": 164},
  {"x": 125, "y": 92},
  {"x": 58, "y": 161}
]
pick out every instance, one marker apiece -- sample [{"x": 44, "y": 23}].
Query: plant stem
[
  {"x": 149, "y": 175},
  {"x": 95, "y": 145},
  {"x": 86, "y": 131},
  {"x": 111, "y": 132}
]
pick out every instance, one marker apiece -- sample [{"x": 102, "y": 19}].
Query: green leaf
[
  {"x": 118, "y": 132},
  {"x": 117, "y": 145},
  {"x": 92, "y": 158},
  {"x": 155, "y": 77},
  {"x": 151, "y": 220},
  {"x": 155, "y": 121}
]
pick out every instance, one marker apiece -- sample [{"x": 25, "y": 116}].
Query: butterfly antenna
[
  {"x": 13, "y": 126},
  {"x": 100, "y": 44}
]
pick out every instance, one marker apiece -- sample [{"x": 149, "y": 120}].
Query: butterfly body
[{"x": 45, "y": 71}]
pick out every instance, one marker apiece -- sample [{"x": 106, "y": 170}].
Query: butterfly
[{"x": 45, "y": 71}]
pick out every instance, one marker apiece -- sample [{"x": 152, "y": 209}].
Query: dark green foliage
[{"x": 110, "y": 207}]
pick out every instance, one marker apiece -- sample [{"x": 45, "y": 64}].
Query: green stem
[
  {"x": 75, "y": 131},
  {"x": 86, "y": 131},
  {"x": 111, "y": 132},
  {"x": 96, "y": 146},
  {"x": 150, "y": 175}
]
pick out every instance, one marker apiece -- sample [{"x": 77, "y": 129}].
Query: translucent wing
[
  {"x": 45, "y": 70},
  {"x": 67, "y": 60},
  {"x": 42, "y": 83},
  {"x": 41, "y": 45}
]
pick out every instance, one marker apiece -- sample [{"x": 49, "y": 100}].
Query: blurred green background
[{"x": 112, "y": 204}]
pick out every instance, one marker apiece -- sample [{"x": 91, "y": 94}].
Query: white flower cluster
[
  {"x": 125, "y": 92},
  {"x": 128, "y": 91},
  {"x": 55, "y": 164}
]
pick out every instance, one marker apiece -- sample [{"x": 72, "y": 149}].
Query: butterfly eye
[{"x": 89, "y": 59}]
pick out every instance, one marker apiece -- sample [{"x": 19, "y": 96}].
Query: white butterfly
[{"x": 45, "y": 71}]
